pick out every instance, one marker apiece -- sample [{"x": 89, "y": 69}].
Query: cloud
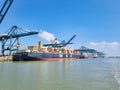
[
  {"x": 105, "y": 44},
  {"x": 110, "y": 48},
  {"x": 46, "y": 35}
]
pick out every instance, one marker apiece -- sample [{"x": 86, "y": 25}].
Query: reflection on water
[{"x": 84, "y": 74}]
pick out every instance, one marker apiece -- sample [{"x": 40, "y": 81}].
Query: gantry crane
[
  {"x": 13, "y": 36},
  {"x": 84, "y": 49},
  {"x": 3, "y": 10},
  {"x": 62, "y": 44}
]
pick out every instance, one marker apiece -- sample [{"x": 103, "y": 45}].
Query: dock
[{"x": 6, "y": 58}]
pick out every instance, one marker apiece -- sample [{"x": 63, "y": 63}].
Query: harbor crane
[
  {"x": 13, "y": 36},
  {"x": 62, "y": 44},
  {"x": 4, "y": 9},
  {"x": 84, "y": 49}
]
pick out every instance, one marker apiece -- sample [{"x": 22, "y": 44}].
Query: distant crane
[
  {"x": 84, "y": 49},
  {"x": 62, "y": 44},
  {"x": 4, "y": 9},
  {"x": 13, "y": 34}
]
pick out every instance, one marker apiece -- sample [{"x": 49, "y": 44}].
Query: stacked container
[
  {"x": 43, "y": 49},
  {"x": 74, "y": 51},
  {"x": 64, "y": 50},
  {"x": 56, "y": 49},
  {"x": 51, "y": 49},
  {"x": 32, "y": 48}
]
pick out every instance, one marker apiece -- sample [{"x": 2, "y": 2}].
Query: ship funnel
[{"x": 40, "y": 46}]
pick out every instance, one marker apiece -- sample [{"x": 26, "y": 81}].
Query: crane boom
[
  {"x": 69, "y": 40},
  {"x": 4, "y": 9},
  {"x": 13, "y": 36},
  {"x": 62, "y": 44}
]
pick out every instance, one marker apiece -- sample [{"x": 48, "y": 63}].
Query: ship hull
[{"x": 36, "y": 56}]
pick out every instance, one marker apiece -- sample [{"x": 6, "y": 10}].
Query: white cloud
[
  {"x": 113, "y": 44},
  {"x": 104, "y": 44},
  {"x": 110, "y": 48},
  {"x": 46, "y": 35}
]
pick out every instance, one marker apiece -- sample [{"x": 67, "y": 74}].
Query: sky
[{"x": 96, "y": 23}]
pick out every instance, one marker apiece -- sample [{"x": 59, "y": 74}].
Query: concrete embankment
[{"x": 5, "y": 58}]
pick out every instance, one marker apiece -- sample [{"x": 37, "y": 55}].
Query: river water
[{"x": 83, "y": 74}]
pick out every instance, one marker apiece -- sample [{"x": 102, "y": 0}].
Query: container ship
[{"x": 33, "y": 53}]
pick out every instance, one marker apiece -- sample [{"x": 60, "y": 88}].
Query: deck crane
[
  {"x": 4, "y": 9},
  {"x": 62, "y": 44},
  {"x": 13, "y": 36}
]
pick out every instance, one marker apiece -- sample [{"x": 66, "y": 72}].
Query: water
[{"x": 83, "y": 74}]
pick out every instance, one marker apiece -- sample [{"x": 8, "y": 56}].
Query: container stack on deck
[{"x": 46, "y": 53}]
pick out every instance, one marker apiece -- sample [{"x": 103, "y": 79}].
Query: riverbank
[{"x": 6, "y": 58}]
